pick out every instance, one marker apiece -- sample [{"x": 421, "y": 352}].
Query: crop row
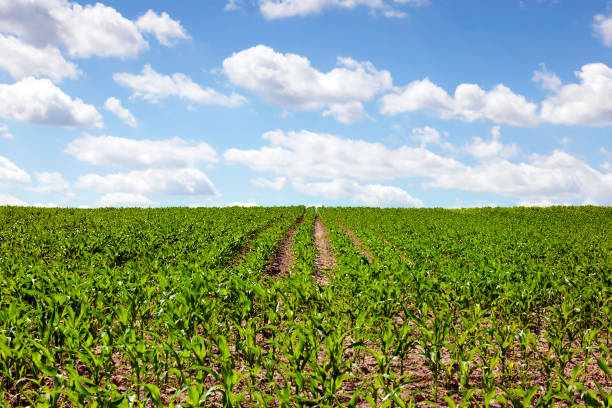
[{"x": 173, "y": 307}]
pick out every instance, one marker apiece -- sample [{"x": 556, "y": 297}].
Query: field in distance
[{"x": 295, "y": 306}]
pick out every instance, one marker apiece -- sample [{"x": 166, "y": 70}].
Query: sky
[{"x": 389, "y": 103}]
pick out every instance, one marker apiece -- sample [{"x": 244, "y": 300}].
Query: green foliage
[{"x": 164, "y": 307}]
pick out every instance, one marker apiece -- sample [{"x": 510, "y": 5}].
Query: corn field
[{"x": 180, "y": 307}]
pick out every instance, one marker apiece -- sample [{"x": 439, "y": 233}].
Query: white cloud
[
  {"x": 470, "y": 103},
  {"x": 182, "y": 181},
  {"x": 306, "y": 154},
  {"x": 602, "y": 27},
  {"x": 426, "y": 135},
  {"x": 243, "y": 204},
  {"x": 492, "y": 149},
  {"x": 133, "y": 154},
  {"x": 547, "y": 80},
  {"x": 417, "y": 95},
  {"x": 11, "y": 173},
  {"x": 289, "y": 81},
  {"x": 276, "y": 184},
  {"x": 233, "y": 5},
  {"x": 97, "y": 30},
  {"x": 374, "y": 195},
  {"x": 157, "y": 167},
  {"x": 39, "y": 101},
  {"x": 496, "y": 132},
  {"x": 346, "y": 112},
  {"x": 541, "y": 203},
  {"x": 22, "y": 60},
  {"x": 93, "y": 30},
  {"x": 275, "y": 9},
  {"x": 47, "y": 205},
  {"x": 124, "y": 200},
  {"x": 557, "y": 177},
  {"x": 334, "y": 167},
  {"x": 114, "y": 105},
  {"x": 4, "y": 132},
  {"x": 52, "y": 182},
  {"x": 585, "y": 103},
  {"x": 414, "y": 3},
  {"x": 153, "y": 87},
  {"x": 6, "y": 199},
  {"x": 165, "y": 29}
]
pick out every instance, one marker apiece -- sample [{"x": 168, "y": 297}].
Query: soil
[
  {"x": 325, "y": 261},
  {"x": 283, "y": 259}
]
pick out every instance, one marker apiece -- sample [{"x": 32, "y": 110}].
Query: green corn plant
[
  {"x": 434, "y": 328},
  {"x": 329, "y": 375},
  {"x": 228, "y": 377}
]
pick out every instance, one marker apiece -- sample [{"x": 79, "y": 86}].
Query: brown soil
[
  {"x": 283, "y": 259},
  {"x": 357, "y": 243},
  {"x": 325, "y": 260}
]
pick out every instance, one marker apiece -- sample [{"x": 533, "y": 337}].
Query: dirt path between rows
[
  {"x": 283, "y": 259},
  {"x": 324, "y": 260},
  {"x": 357, "y": 243}
]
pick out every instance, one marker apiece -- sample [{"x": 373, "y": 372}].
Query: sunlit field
[{"x": 296, "y": 306}]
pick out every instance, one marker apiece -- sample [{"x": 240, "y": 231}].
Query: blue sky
[{"x": 402, "y": 103}]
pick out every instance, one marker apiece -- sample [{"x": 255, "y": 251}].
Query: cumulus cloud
[
  {"x": 243, "y": 204},
  {"x": 153, "y": 87},
  {"x": 4, "y": 132},
  {"x": 22, "y": 60},
  {"x": 114, "y": 105},
  {"x": 39, "y": 101},
  {"x": 52, "y": 182},
  {"x": 10, "y": 173},
  {"x": 374, "y": 195},
  {"x": 469, "y": 103},
  {"x": 83, "y": 31},
  {"x": 124, "y": 200},
  {"x": 547, "y": 80},
  {"x": 491, "y": 149},
  {"x": 333, "y": 167},
  {"x": 307, "y": 154},
  {"x": 426, "y": 135},
  {"x": 276, "y": 9},
  {"x": 131, "y": 154},
  {"x": 165, "y": 29},
  {"x": 346, "y": 112},
  {"x": 602, "y": 28},
  {"x": 414, "y": 3},
  {"x": 154, "y": 167},
  {"x": 233, "y": 5},
  {"x": 182, "y": 181},
  {"x": 6, "y": 199},
  {"x": 541, "y": 203},
  {"x": 558, "y": 176},
  {"x": 585, "y": 103},
  {"x": 276, "y": 184},
  {"x": 47, "y": 205},
  {"x": 289, "y": 81}
]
